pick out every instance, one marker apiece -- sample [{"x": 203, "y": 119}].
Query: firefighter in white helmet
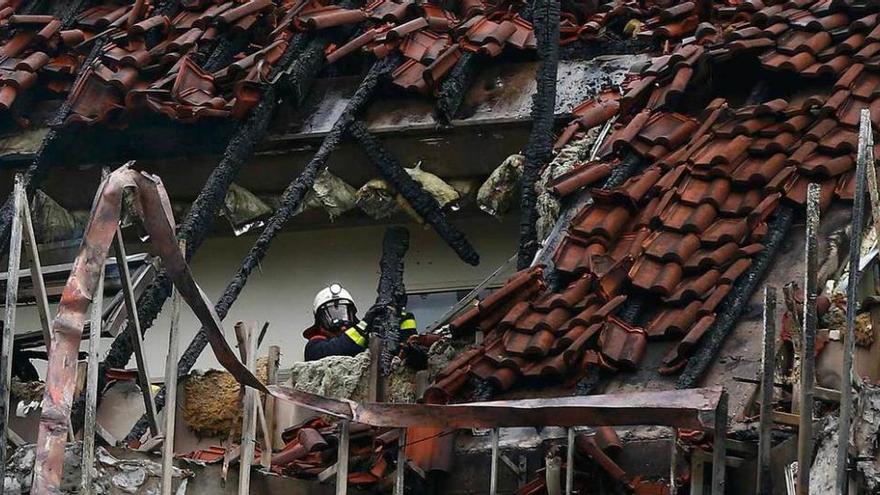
[{"x": 338, "y": 331}]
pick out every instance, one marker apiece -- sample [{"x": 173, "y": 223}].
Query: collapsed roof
[{"x": 727, "y": 128}]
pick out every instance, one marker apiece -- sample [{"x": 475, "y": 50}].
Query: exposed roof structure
[{"x": 681, "y": 232}]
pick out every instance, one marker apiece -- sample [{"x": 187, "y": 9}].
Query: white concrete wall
[{"x": 300, "y": 263}]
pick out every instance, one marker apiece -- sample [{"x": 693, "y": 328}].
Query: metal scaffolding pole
[{"x": 864, "y": 158}]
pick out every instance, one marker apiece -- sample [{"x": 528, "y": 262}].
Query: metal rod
[
  {"x": 88, "y": 438},
  {"x": 171, "y": 388},
  {"x": 569, "y": 462},
  {"x": 464, "y": 301},
  {"x": 342, "y": 459},
  {"x": 36, "y": 272},
  {"x": 134, "y": 329},
  {"x": 764, "y": 483},
  {"x": 9, "y": 321},
  {"x": 493, "y": 475},
  {"x": 865, "y": 154},
  {"x": 808, "y": 342},
  {"x": 719, "y": 447},
  {"x": 249, "y": 419},
  {"x": 399, "y": 477}
]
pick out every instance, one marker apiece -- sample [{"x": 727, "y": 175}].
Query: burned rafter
[
  {"x": 455, "y": 86},
  {"x": 540, "y": 146},
  {"x": 291, "y": 199},
  {"x": 423, "y": 203},
  {"x": 391, "y": 293}
]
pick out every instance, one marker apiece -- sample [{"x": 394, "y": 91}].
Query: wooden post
[
  {"x": 272, "y": 368},
  {"x": 674, "y": 460},
  {"x": 171, "y": 388},
  {"x": 375, "y": 392},
  {"x": 266, "y": 445},
  {"x": 866, "y": 144},
  {"x": 697, "y": 475},
  {"x": 808, "y": 342},
  {"x": 90, "y": 422},
  {"x": 569, "y": 462},
  {"x": 493, "y": 474},
  {"x": 764, "y": 483},
  {"x": 36, "y": 269},
  {"x": 249, "y": 418},
  {"x": 719, "y": 447},
  {"x": 9, "y": 321},
  {"x": 400, "y": 475},
  {"x": 134, "y": 330},
  {"x": 342, "y": 459}
]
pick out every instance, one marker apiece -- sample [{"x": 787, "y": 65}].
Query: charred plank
[{"x": 540, "y": 146}]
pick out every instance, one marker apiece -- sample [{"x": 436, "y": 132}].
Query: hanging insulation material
[
  {"x": 445, "y": 194},
  {"x": 332, "y": 194},
  {"x": 500, "y": 190},
  {"x": 466, "y": 189},
  {"x": 569, "y": 156},
  {"x": 377, "y": 199},
  {"x": 52, "y": 222},
  {"x": 243, "y": 209},
  {"x": 418, "y": 198}
]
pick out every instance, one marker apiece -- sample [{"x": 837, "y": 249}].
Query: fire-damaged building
[{"x": 576, "y": 246}]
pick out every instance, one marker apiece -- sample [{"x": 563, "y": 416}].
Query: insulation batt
[
  {"x": 51, "y": 221},
  {"x": 499, "y": 191},
  {"x": 332, "y": 194},
  {"x": 377, "y": 199},
  {"x": 572, "y": 154},
  {"x": 241, "y": 207}
]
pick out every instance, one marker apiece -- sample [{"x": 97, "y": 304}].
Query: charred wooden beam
[
  {"x": 545, "y": 17},
  {"x": 391, "y": 293},
  {"x": 455, "y": 86},
  {"x": 423, "y": 203},
  {"x": 735, "y": 302},
  {"x": 291, "y": 199}
]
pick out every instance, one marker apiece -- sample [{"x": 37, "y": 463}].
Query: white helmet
[{"x": 330, "y": 293}]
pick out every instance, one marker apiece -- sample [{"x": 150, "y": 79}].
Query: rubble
[{"x": 112, "y": 476}]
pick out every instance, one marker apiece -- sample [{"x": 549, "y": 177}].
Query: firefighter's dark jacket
[{"x": 348, "y": 342}]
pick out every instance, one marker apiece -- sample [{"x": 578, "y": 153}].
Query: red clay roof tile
[
  {"x": 660, "y": 278},
  {"x": 671, "y": 246},
  {"x": 621, "y": 344}
]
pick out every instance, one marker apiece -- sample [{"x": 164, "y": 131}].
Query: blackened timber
[
  {"x": 540, "y": 146},
  {"x": 391, "y": 293},
  {"x": 454, "y": 87},
  {"x": 735, "y": 302},
  {"x": 291, "y": 199},
  {"x": 421, "y": 201}
]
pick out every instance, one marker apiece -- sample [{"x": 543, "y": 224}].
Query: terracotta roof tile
[
  {"x": 599, "y": 220},
  {"x": 671, "y": 246},
  {"x": 654, "y": 276},
  {"x": 621, "y": 344},
  {"x": 684, "y": 218}
]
